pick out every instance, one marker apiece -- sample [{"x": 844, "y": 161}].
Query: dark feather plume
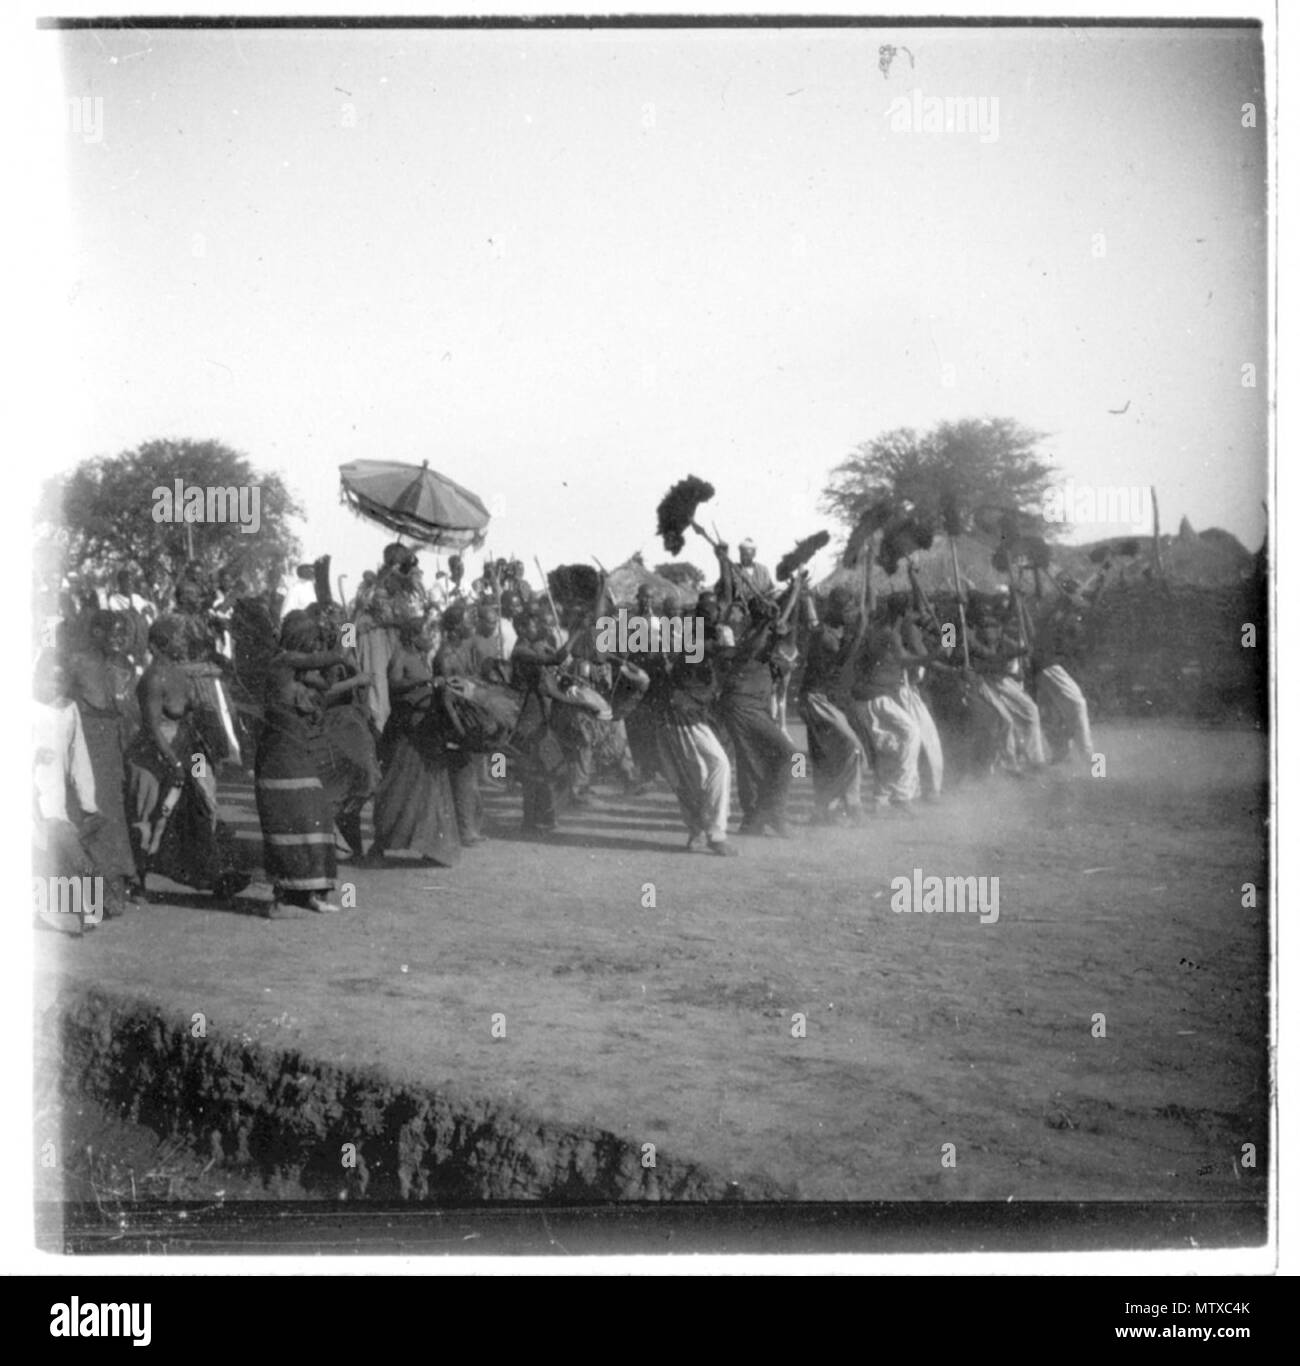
[
  {"x": 801, "y": 554},
  {"x": 903, "y": 537},
  {"x": 574, "y": 585},
  {"x": 871, "y": 521},
  {"x": 950, "y": 513},
  {"x": 1099, "y": 553},
  {"x": 677, "y": 511}
]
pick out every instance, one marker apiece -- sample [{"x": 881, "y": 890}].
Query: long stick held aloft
[
  {"x": 546, "y": 583},
  {"x": 961, "y": 600}
]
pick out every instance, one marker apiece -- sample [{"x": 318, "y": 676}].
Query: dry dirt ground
[{"x": 673, "y": 1023}]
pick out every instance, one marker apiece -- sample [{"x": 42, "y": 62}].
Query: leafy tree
[
  {"x": 946, "y": 474},
  {"x": 683, "y": 573},
  {"x": 101, "y": 517}
]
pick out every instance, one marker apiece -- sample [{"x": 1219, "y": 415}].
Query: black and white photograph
[{"x": 653, "y": 634}]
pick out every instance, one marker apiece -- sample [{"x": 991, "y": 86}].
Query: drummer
[{"x": 463, "y": 654}]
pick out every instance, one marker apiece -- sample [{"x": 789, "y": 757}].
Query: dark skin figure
[
  {"x": 411, "y": 681},
  {"x": 291, "y": 672},
  {"x": 533, "y": 645},
  {"x": 91, "y": 674},
  {"x": 409, "y": 676},
  {"x": 165, "y": 695},
  {"x": 393, "y": 584},
  {"x": 308, "y": 664},
  {"x": 189, "y": 604}
]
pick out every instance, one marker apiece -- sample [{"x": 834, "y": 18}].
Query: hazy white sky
[{"x": 570, "y": 268}]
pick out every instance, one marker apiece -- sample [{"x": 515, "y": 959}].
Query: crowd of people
[{"x": 414, "y": 699}]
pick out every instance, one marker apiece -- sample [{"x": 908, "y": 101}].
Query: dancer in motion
[
  {"x": 879, "y": 711},
  {"x": 691, "y": 756},
  {"x": 292, "y": 802},
  {"x": 172, "y": 789},
  {"x": 764, "y": 752},
  {"x": 835, "y": 752},
  {"x": 343, "y": 744},
  {"x": 1058, "y": 646},
  {"x": 543, "y": 770}
]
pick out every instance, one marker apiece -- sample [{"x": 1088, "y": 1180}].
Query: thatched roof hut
[
  {"x": 1210, "y": 559},
  {"x": 624, "y": 582}
]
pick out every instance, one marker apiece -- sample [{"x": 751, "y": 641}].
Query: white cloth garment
[
  {"x": 896, "y": 742},
  {"x": 1064, "y": 706},
  {"x": 930, "y": 765},
  {"x": 298, "y": 596},
  {"x": 60, "y": 757},
  {"x": 1024, "y": 715},
  {"x": 699, "y": 772}
]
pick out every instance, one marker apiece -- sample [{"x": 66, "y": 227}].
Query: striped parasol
[{"x": 416, "y": 502}]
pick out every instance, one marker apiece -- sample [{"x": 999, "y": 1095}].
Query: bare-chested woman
[{"x": 172, "y": 786}]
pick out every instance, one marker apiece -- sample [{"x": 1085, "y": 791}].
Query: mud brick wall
[{"x": 282, "y": 1114}]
